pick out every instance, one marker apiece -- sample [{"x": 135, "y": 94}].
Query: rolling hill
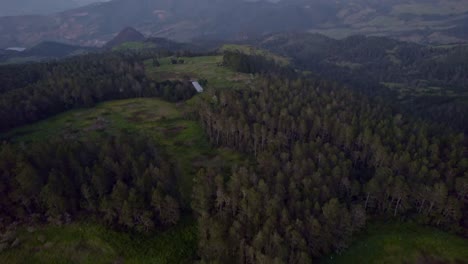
[
  {"x": 432, "y": 21},
  {"x": 128, "y": 34}
]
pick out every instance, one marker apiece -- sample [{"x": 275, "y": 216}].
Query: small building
[{"x": 197, "y": 87}]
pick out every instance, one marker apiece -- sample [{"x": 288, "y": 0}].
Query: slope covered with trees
[
  {"x": 428, "y": 81},
  {"x": 327, "y": 160}
]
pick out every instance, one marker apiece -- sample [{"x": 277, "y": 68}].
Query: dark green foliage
[
  {"x": 371, "y": 60},
  {"x": 19, "y": 76},
  {"x": 173, "y": 91},
  {"x": 203, "y": 82},
  {"x": 326, "y": 160},
  {"x": 114, "y": 179},
  {"x": 256, "y": 64}
]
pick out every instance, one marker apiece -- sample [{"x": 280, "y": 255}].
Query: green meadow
[
  {"x": 85, "y": 242},
  {"x": 194, "y": 68},
  {"x": 398, "y": 243}
]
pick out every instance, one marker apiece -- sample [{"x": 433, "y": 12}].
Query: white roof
[{"x": 197, "y": 87}]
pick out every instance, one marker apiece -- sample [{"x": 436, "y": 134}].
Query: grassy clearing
[
  {"x": 206, "y": 67},
  {"x": 403, "y": 243},
  {"x": 93, "y": 243}
]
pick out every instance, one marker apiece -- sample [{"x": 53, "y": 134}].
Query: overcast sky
[{"x": 28, "y": 7}]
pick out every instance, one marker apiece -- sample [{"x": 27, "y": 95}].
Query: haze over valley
[{"x": 434, "y": 21}]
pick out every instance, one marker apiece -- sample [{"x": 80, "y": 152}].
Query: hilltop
[{"x": 128, "y": 34}]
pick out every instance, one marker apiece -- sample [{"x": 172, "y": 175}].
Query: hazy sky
[{"x": 26, "y": 7}]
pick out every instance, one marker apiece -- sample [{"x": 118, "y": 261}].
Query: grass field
[
  {"x": 206, "y": 67},
  {"x": 134, "y": 46},
  {"x": 395, "y": 243},
  {"x": 92, "y": 243}
]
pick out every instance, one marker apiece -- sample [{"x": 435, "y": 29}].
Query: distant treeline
[
  {"x": 35, "y": 91},
  {"x": 438, "y": 75},
  {"x": 124, "y": 180},
  {"x": 256, "y": 64}
]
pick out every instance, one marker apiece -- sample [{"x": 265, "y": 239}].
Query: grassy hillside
[
  {"x": 396, "y": 243},
  {"x": 206, "y": 67},
  {"x": 134, "y": 45},
  {"x": 91, "y": 243}
]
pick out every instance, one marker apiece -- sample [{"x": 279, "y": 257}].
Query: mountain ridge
[
  {"x": 30, "y": 7},
  {"x": 420, "y": 21}
]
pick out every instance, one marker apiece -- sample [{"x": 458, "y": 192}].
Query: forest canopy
[
  {"x": 327, "y": 160},
  {"x": 123, "y": 180}
]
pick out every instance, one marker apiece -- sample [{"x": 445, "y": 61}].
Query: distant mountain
[
  {"x": 128, "y": 34},
  {"x": 29, "y": 7},
  {"x": 424, "y": 21}
]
